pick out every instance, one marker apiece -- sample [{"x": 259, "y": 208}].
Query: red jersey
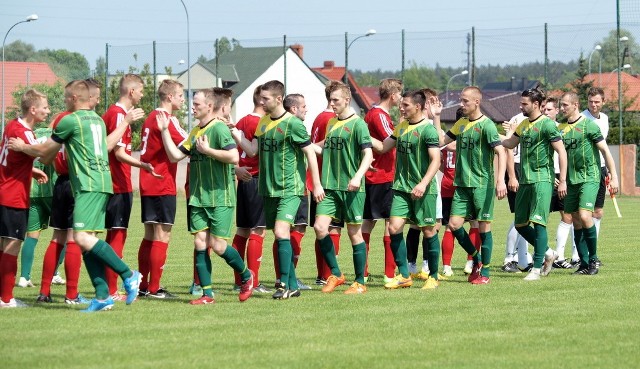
[
  {"x": 318, "y": 133},
  {"x": 380, "y": 127},
  {"x": 153, "y": 153},
  {"x": 60, "y": 162},
  {"x": 15, "y": 167},
  {"x": 448, "y": 166},
  {"x": 248, "y": 125},
  {"x": 120, "y": 172}
]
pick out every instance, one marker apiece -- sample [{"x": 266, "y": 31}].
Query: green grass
[{"x": 560, "y": 321}]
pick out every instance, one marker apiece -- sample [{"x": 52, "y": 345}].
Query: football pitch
[{"x": 561, "y": 321}]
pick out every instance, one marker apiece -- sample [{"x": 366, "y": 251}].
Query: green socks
[
  {"x": 433, "y": 254},
  {"x": 203, "y": 267},
  {"x": 285, "y": 258},
  {"x": 581, "y": 247},
  {"x": 26, "y": 257},
  {"x": 360, "y": 260},
  {"x": 329, "y": 253},
  {"x": 233, "y": 259},
  {"x": 591, "y": 238},
  {"x": 105, "y": 253},
  {"x": 97, "y": 274},
  {"x": 464, "y": 240},
  {"x": 399, "y": 249},
  {"x": 486, "y": 248}
]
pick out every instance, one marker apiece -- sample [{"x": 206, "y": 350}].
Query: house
[
  {"x": 244, "y": 68},
  {"x": 609, "y": 83},
  {"x": 361, "y": 102},
  {"x": 18, "y": 74}
]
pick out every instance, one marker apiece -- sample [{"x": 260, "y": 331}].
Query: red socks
[
  {"x": 474, "y": 235},
  {"x": 367, "y": 237},
  {"x": 144, "y": 255},
  {"x": 240, "y": 244},
  {"x": 254, "y": 257},
  {"x": 296, "y": 245},
  {"x": 389, "y": 261},
  {"x": 72, "y": 266},
  {"x": 49, "y": 264},
  {"x": 157, "y": 259},
  {"x": 116, "y": 239},
  {"x": 447, "y": 248},
  {"x": 8, "y": 271}
]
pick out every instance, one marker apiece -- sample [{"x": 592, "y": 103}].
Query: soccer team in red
[{"x": 268, "y": 170}]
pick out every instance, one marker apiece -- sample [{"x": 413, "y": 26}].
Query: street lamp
[
  {"x": 188, "y": 69},
  {"x": 446, "y": 95},
  {"x": 32, "y": 17},
  {"x": 626, "y": 66},
  {"x": 347, "y": 45},
  {"x": 596, "y": 48}
]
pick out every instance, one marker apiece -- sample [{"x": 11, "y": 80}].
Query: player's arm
[
  {"x": 611, "y": 166},
  {"x": 122, "y": 156},
  {"x": 434, "y": 157},
  {"x": 511, "y": 139},
  {"x": 365, "y": 163},
  {"x": 173, "y": 152},
  {"x": 511, "y": 171},
  {"x": 228, "y": 155},
  {"x": 501, "y": 187},
  {"x": 312, "y": 163},
  {"x": 446, "y": 139},
  {"x": 249, "y": 147},
  {"x": 46, "y": 151},
  {"x": 317, "y": 147},
  {"x": 558, "y": 146},
  {"x": 381, "y": 147},
  {"x": 114, "y": 137},
  {"x": 435, "y": 107}
]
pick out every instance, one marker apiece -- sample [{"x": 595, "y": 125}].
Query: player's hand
[
  {"x": 243, "y": 173},
  {"x": 501, "y": 190},
  {"x": 236, "y": 134},
  {"x": 163, "y": 122},
  {"x": 354, "y": 184},
  {"x": 230, "y": 123},
  {"x": 134, "y": 114},
  {"x": 418, "y": 191},
  {"x": 513, "y": 185},
  {"x": 149, "y": 168},
  {"x": 435, "y": 106},
  {"x": 16, "y": 144},
  {"x": 39, "y": 176},
  {"x": 556, "y": 182},
  {"x": 562, "y": 189},
  {"x": 613, "y": 185},
  {"x": 202, "y": 144},
  {"x": 318, "y": 192}
]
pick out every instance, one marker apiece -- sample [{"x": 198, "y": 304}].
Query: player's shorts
[
  {"x": 511, "y": 195},
  {"x": 581, "y": 196},
  {"x": 532, "y": 203},
  {"x": 302, "y": 216},
  {"x": 217, "y": 220},
  {"x": 377, "y": 202},
  {"x": 119, "y": 210},
  {"x": 557, "y": 204},
  {"x": 473, "y": 203},
  {"x": 312, "y": 216},
  {"x": 446, "y": 209},
  {"x": 421, "y": 212},
  {"x": 189, "y": 211},
  {"x": 89, "y": 211},
  {"x": 158, "y": 209},
  {"x": 345, "y": 205},
  {"x": 39, "y": 213},
  {"x": 280, "y": 208},
  {"x": 602, "y": 190},
  {"x": 62, "y": 213},
  {"x": 13, "y": 222},
  {"x": 249, "y": 208}
]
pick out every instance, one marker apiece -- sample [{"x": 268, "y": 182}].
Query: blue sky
[{"x": 507, "y": 31}]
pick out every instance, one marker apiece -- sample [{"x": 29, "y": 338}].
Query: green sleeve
[
  {"x": 223, "y": 138},
  {"x": 299, "y": 133},
  {"x": 431, "y": 138},
  {"x": 363, "y": 136},
  {"x": 553, "y": 134},
  {"x": 491, "y": 133},
  {"x": 65, "y": 128},
  {"x": 593, "y": 132}
]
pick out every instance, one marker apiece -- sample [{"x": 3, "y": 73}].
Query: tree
[
  {"x": 629, "y": 50},
  {"x": 580, "y": 85},
  {"x": 18, "y": 51},
  {"x": 55, "y": 97},
  {"x": 66, "y": 64},
  {"x": 224, "y": 45}
]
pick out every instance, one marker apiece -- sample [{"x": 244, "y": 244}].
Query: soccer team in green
[{"x": 286, "y": 156}]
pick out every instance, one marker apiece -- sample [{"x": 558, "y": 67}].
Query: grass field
[{"x": 562, "y": 321}]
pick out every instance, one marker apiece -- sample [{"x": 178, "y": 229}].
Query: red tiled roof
[
  {"x": 609, "y": 81},
  {"x": 25, "y": 74},
  {"x": 334, "y": 73}
]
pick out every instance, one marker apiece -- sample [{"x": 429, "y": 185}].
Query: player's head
[
  {"x": 214, "y": 100},
  {"x": 595, "y": 97},
  {"x": 432, "y": 98},
  {"x": 470, "y": 100},
  {"x": 391, "y": 89},
  {"x": 412, "y": 105},
  {"x": 570, "y": 104},
  {"x": 295, "y": 104},
  {"x": 339, "y": 98},
  {"x": 94, "y": 92},
  {"x": 76, "y": 94},
  {"x": 131, "y": 86},
  {"x": 171, "y": 91},
  {"x": 551, "y": 107},
  {"x": 35, "y": 105},
  {"x": 328, "y": 87},
  {"x": 531, "y": 102},
  {"x": 271, "y": 96}
]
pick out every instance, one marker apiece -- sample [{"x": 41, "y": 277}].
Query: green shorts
[
  {"x": 39, "y": 213},
  {"x": 473, "y": 203},
  {"x": 216, "y": 219},
  {"x": 421, "y": 212},
  {"x": 342, "y": 205},
  {"x": 280, "y": 208},
  {"x": 581, "y": 196},
  {"x": 532, "y": 203},
  {"x": 89, "y": 211}
]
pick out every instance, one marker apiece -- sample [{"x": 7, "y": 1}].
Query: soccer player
[
  {"x": 16, "y": 172},
  {"x": 415, "y": 186},
  {"x": 378, "y": 181},
  {"x": 538, "y": 137},
  {"x": 477, "y": 140},
  {"x": 346, "y": 156},
  {"x": 213, "y": 197},
  {"x": 120, "y": 162},
  {"x": 250, "y": 222},
  {"x": 86, "y": 144},
  {"x": 158, "y": 192},
  {"x": 582, "y": 137},
  {"x": 281, "y": 142}
]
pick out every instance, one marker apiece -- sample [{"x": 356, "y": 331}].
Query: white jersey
[
  {"x": 516, "y": 150},
  {"x": 603, "y": 122}
]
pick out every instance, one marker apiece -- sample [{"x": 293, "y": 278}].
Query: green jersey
[
  {"x": 281, "y": 162},
  {"x": 580, "y": 139},
  {"x": 211, "y": 182},
  {"x": 413, "y": 142},
  {"x": 46, "y": 189},
  {"x": 475, "y": 143},
  {"x": 342, "y": 153},
  {"x": 85, "y": 138},
  {"x": 536, "y": 152}
]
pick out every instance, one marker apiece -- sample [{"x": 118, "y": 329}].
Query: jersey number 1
[{"x": 96, "y": 131}]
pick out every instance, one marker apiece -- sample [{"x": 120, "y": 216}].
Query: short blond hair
[
  {"x": 168, "y": 87},
  {"x": 30, "y": 99}
]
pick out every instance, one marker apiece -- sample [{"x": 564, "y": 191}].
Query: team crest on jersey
[
  {"x": 347, "y": 129},
  {"x": 415, "y": 133},
  {"x": 280, "y": 130},
  {"x": 401, "y": 131},
  {"x": 462, "y": 128},
  {"x": 263, "y": 128},
  {"x": 476, "y": 129}
]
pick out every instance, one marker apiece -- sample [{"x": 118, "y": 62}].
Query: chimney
[
  {"x": 329, "y": 64},
  {"x": 298, "y": 49}
]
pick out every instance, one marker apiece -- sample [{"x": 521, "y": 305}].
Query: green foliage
[
  {"x": 629, "y": 49},
  {"x": 224, "y": 45},
  {"x": 580, "y": 85},
  {"x": 55, "y": 97},
  {"x": 19, "y": 51},
  {"x": 66, "y": 64}
]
